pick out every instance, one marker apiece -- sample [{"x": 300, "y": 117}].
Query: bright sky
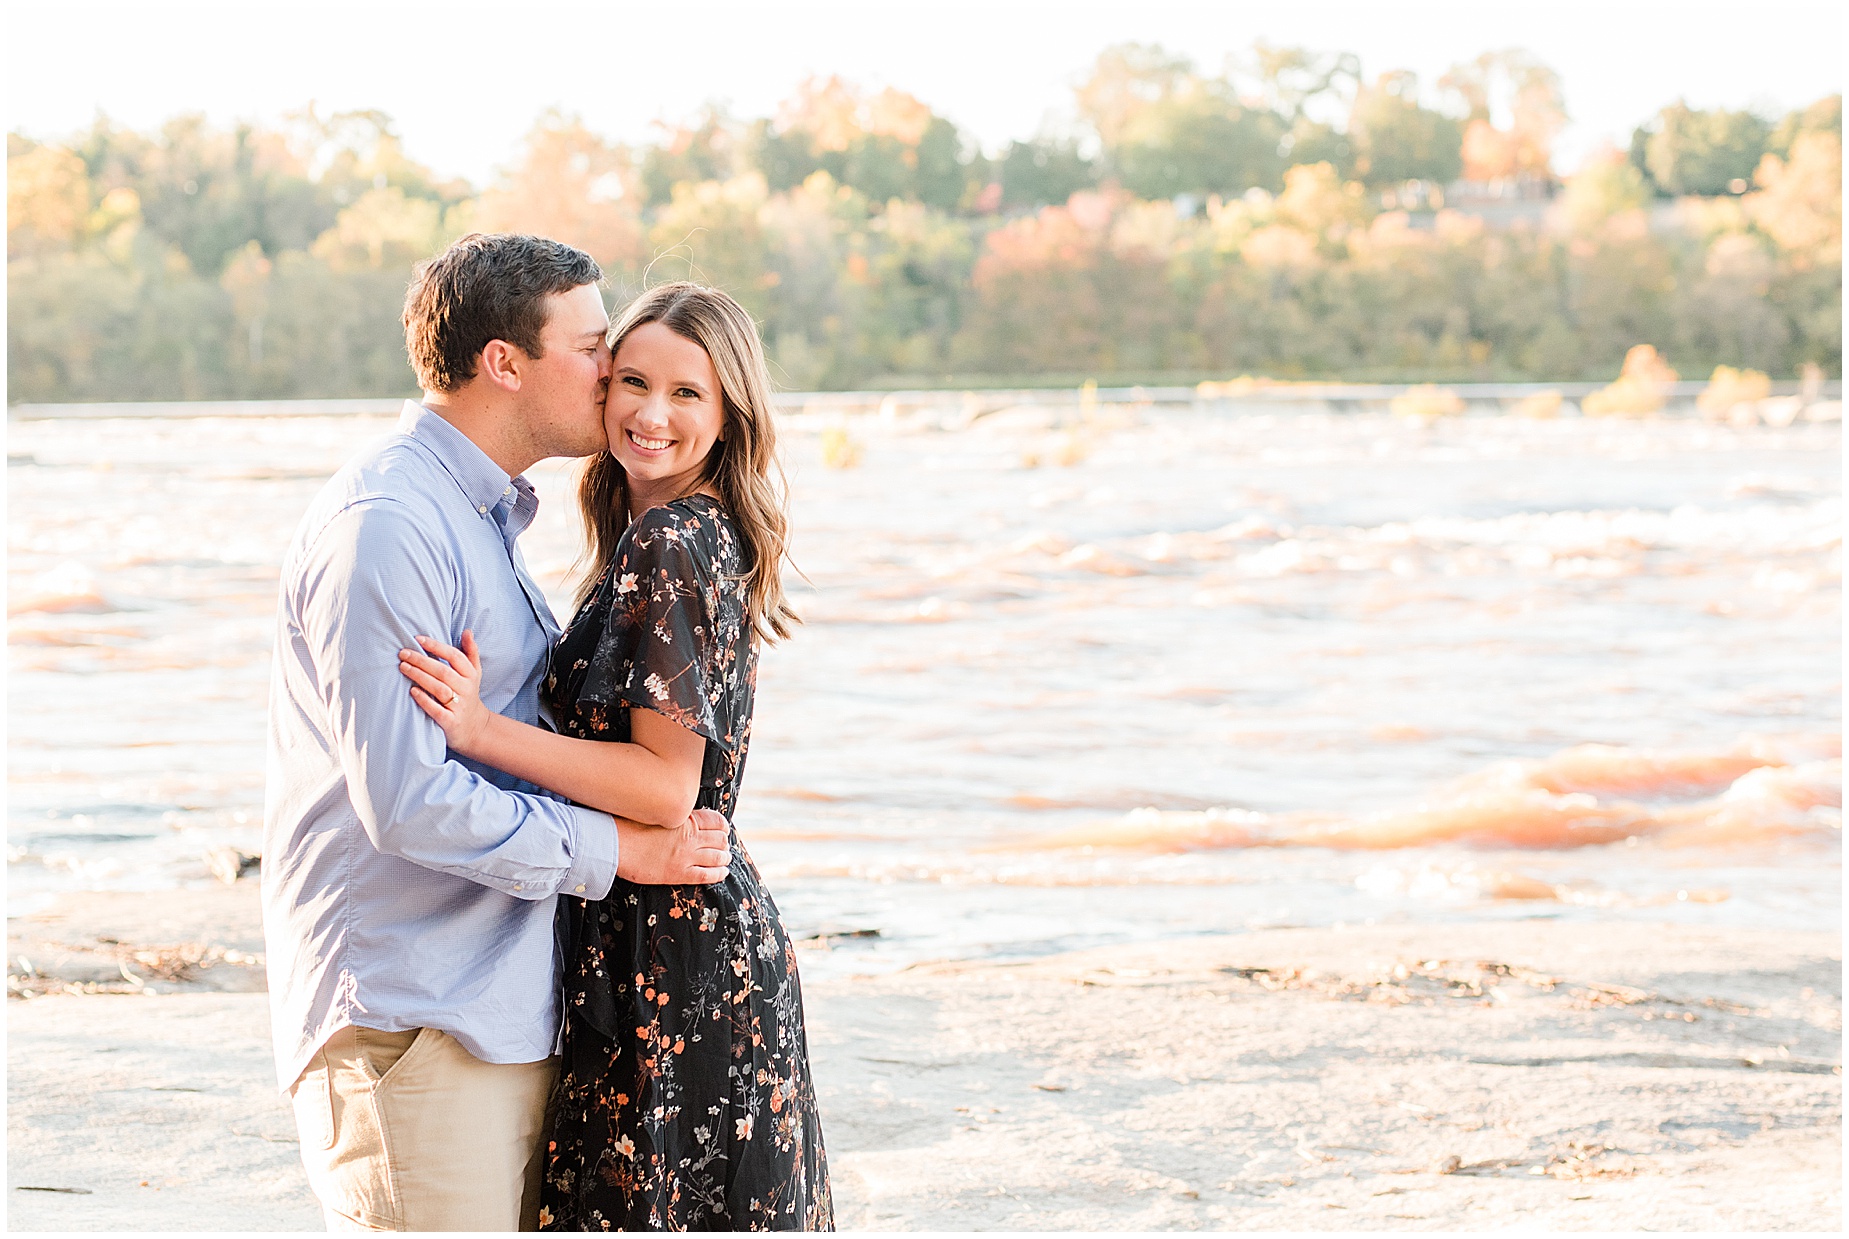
[{"x": 465, "y": 80}]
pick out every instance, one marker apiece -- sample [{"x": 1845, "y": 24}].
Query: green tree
[
  {"x": 1312, "y": 142},
  {"x": 1199, "y": 141},
  {"x": 878, "y": 165},
  {"x": 888, "y": 147},
  {"x": 383, "y": 227},
  {"x": 704, "y": 151},
  {"x": 1167, "y": 131},
  {"x": 1685, "y": 151},
  {"x": 915, "y": 280},
  {"x": 208, "y": 192},
  {"x": 942, "y": 167},
  {"x": 1398, "y": 139},
  {"x": 1045, "y": 171},
  {"x": 784, "y": 158}
]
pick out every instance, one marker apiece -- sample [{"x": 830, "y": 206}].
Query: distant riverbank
[{"x": 968, "y": 404}]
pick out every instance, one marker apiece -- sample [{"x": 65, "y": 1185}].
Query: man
[{"x": 407, "y": 895}]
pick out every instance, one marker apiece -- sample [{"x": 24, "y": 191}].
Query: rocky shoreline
[
  {"x": 207, "y": 939},
  {"x": 1531, "y": 1073}
]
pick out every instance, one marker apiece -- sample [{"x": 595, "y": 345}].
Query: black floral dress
[{"x": 685, "y": 1102}]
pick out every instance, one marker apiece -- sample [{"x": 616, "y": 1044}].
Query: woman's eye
[
  {"x": 687, "y": 393},
  {"x": 632, "y": 380}
]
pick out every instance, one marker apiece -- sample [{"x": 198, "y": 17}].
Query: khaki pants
[{"x": 409, "y": 1131}]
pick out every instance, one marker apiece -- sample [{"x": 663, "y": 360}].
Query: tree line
[{"x": 1284, "y": 216}]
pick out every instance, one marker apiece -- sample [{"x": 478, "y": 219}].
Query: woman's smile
[{"x": 649, "y": 445}]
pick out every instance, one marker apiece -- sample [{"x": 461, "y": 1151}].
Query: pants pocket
[
  {"x": 313, "y": 1101},
  {"x": 381, "y": 1053},
  {"x": 345, "y": 1142}
]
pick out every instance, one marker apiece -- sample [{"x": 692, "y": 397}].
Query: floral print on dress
[{"x": 685, "y": 1102}]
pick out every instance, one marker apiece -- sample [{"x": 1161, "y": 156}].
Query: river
[{"x": 1076, "y": 676}]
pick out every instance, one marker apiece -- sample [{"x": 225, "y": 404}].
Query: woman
[{"x": 685, "y": 1101}]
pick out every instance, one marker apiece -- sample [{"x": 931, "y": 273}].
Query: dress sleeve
[{"x": 657, "y": 647}]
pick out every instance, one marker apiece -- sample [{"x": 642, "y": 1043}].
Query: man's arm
[{"x": 368, "y": 584}]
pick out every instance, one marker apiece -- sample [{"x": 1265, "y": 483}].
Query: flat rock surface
[
  {"x": 149, "y": 1113},
  {"x": 1466, "y": 1076},
  {"x": 1473, "y": 1076}
]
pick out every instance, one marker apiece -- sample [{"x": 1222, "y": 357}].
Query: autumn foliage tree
[
  {"x": 1528, "y": 93},
  {"x": 1178, "y": 223}
]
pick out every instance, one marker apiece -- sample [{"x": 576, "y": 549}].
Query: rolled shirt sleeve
[{"x": 370, "y": 583}]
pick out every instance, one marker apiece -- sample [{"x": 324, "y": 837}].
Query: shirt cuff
[{"x": 593, "y": 858}]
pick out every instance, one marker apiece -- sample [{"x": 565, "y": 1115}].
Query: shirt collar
[{"x": 512, "y": 502}]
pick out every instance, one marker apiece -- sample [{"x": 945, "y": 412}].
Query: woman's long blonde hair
[{"x": 743, "y": 465}]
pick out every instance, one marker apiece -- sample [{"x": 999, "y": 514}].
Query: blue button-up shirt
[{"x": 404, "y": 887}]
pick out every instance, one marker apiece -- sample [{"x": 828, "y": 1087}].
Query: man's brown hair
[{"x": 487, "y": 286}]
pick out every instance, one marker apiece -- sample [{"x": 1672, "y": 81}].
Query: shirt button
[
  {"x": 580, "y": 888},
  {"x": 482, "y": 508},
  {"x": 519, "y": 887}
]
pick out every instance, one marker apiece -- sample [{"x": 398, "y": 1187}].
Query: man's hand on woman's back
[{"x": 695, "y": 852}]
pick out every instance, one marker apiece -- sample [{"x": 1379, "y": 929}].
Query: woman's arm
[{"x": 653, "y": 779}]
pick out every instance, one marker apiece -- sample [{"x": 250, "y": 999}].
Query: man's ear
[{"x": 502, "y": 364}]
